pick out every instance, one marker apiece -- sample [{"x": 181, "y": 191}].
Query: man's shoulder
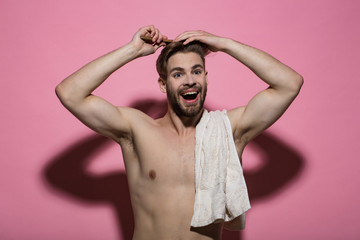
[
  {"x": 136, "y": 119},
  {"x": 134, "y": 115},
  {"x": 235, "y": 113}
]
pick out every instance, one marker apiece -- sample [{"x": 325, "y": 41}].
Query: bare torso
[
  {"x": 160, "y": 168},
  {"x": 159, "y": 154}
]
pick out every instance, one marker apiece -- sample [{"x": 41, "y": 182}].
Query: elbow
[
  {"x": 296, "y": 83},
  {"x": 63, "y": 94},
  {"x": 299, "y": 82},
  {"x": 60, "y": 92}
]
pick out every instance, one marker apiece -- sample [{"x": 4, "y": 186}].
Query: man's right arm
[{"x": 75, "y": 91}]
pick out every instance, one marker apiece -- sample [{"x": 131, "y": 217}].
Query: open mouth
[{"x": 190, "y": 96}]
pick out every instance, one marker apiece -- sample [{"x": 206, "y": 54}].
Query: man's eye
[
  {"x": 197, "y": 72},
  {"x": 177, "y": 75}
]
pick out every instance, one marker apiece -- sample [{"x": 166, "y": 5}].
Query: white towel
[{"x": 221, "y": 193}]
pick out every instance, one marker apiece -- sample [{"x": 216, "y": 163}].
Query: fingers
[
  {"x": 191, "y": 36},
  {"x": 154, "y": 34}
]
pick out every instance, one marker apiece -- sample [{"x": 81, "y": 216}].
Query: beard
[{"x": 186, "y": 111}]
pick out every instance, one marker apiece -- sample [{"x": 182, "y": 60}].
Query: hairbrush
[{"x": 149, "y": 40}]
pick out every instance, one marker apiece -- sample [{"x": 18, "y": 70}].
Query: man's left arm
[{"x": 266, "y": 106}]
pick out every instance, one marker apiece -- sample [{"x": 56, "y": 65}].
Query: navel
[{"x": 152, "y": 174}]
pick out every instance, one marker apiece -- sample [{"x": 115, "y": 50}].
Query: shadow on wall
[{"x": 67, "y": 173}]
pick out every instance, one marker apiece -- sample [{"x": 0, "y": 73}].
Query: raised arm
[
  {"x": 75, "y": 91},
  {"x": 266, "y": 106}
]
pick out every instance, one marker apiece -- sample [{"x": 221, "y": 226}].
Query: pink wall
[{"x": 60, "y": 181}]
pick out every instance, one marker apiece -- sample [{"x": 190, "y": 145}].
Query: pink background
[{"x": 59, "y": 180}]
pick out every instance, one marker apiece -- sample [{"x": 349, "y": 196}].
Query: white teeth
[{"x": 188, "y": 93}]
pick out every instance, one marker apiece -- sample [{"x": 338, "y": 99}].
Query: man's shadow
[{"x": 67, "y": 172}]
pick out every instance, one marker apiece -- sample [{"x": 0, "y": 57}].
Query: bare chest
[{"x": 164, "y": 158}]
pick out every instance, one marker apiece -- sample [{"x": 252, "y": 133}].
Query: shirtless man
[{"x": 159, "y": 154}]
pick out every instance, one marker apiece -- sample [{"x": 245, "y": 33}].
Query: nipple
[{"x": 152, "y": 174}]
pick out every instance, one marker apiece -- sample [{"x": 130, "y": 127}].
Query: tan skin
[{"x": 159, "y": 154}]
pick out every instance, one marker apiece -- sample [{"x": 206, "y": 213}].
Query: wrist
[
  {"x": 132, "y": 50},
  {"x": 227, "y": 45}
]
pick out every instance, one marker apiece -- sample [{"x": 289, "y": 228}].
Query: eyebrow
[{"x": 182, "y": 69}]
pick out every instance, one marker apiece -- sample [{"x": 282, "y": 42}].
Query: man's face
[{"x": 186, "y": 84}]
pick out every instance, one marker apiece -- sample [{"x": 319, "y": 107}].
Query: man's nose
[{"x": 189, "y": 80}]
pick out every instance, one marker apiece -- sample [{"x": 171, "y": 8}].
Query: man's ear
[
  {"x": 162, "y": 85},
  {"x": 206, "y": 74}
]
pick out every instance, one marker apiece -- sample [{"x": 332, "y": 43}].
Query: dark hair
[{"x": 175, "y": 47}]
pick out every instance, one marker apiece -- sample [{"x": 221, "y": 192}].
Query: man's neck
[{"x": 182, "y": 125}]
